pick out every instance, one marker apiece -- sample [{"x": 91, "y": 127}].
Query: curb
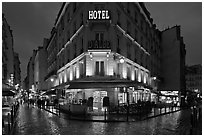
[
  {"x": 161, "y": 114},
  {"x": 50, "y": 111},
  {"x": 14, "y": 123}
]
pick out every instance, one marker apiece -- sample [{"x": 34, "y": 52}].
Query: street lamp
[
  {"x": 122, "y": 60},
  {"x": 52, "y": 79},
  {"x": 9, "y": 80}
]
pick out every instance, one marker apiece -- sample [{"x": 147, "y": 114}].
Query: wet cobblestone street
[{"x": 34, "y": 121}]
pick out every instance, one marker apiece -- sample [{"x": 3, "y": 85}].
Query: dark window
[
  {"x": 82, "y": 45},
  {"x": 68, "y": 17},
  {"x": 135, "y": 35},
  {"x": 141, "y": 58},
  {"x": 63, "y": 59},
  {"x": 62, "y": 22},
  {"x": 135, "y": 55},
  {"x": 99, "y": 36},
  {"x": 97, "y": 68},
  {"x": 82, "y": 19},
  {"x": 68, "y": 35},
  {"x": 74, "y": 7},
  {"x": 118, "y": 21},
  {"x": 128, "y": 27},
  {"x": 135, "y": 16},
  {"x": 141, "y": 25},
  {"x": 118, "y": 44},
  {"x": 141, "y": 43},
  {"x": 68, "y": 55},
  {"x": 128, "y": 51},
  {"x": 102, "y": 68},
  {"x": 74, "y": 28},
  {"x": 75, "y": 51},
  {"x": 128, "y": 8}
]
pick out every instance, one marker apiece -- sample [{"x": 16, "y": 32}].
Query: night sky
[{"x": 31, "y": 22}]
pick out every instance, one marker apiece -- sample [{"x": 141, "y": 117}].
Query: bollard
[
  {"x": 105, "y": 115},
  {"x": 127, "y": 112},
  {"x": 200, "y": 114},
  {"x": 69, "y": 112},
  {"x": 12, "y": 116},
  {"x": 165, "y": 109},
  {"x": 160, "y": 110},
  {"x": 85, "y": 112},
  {"x": 3, "y": 125},
  {"x": 59, "y": 109},
  {"x": 195, "y": 116},
  {"x": 8, "y": 123}
]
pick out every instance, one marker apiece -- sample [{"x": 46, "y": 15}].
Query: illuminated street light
[
  {"x": 122, "y": 60},
  {"x": 52, "y": 79}
]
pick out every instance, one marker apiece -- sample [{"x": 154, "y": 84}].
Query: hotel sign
[
  {"x": 99, "y": 15},
  {"x": 98, "y": 44}
]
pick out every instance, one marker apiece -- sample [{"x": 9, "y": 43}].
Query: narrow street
[{"x": 34, "y": 121}]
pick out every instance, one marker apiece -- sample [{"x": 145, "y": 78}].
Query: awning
[
  {"x": 101, "y": 84},
  {"x": 8, "y": 93},
  {"x": 169, "y": 95},
  {"x": 50, "y": 92},
  {"x": 7, "y": 90}
]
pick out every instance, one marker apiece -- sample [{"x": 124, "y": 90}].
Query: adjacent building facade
[
  {"x": 40, "y": 69},
  {"x": 194, "y": 79},
  {"x": 7, "y": 53},
  {"x": 17, "y": 70},
  {"x": 11, "y": 73}
]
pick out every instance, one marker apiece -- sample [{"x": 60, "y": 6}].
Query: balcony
[{"x": 93, "y": 23}]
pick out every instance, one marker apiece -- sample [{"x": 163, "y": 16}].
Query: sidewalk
[
  {"x": 9, "y": 118},
  {"x": 33, "y": 120},
  {"x": 156, "y": 112}
]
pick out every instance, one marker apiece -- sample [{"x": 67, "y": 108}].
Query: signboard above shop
[{"x": 98, "y": 44}]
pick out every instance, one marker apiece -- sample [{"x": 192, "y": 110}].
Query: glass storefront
[{"x": 98, "y": 99}]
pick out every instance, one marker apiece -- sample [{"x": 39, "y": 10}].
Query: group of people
[{"x": 42, "y": 102}]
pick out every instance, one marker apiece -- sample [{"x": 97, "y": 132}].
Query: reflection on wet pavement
[{"x": 34, "y": 121}]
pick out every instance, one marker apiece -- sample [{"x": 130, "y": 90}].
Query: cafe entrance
[{"x": 98, "y": 99}]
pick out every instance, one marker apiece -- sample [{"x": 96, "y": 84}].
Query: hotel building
[{"x": 103, "y": 49}]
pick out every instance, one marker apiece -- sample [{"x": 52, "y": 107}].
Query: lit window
[
  {"x": 99, "y": 36},
  {"x": 139, "y": 76}
]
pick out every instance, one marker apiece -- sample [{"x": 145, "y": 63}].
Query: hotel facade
[{"x": 112, "y": 50}]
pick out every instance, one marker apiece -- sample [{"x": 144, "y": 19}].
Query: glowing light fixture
[
  {"x": 122, "y": 60},
  {"x": 139, "y": 77},
  {"x": 108, "y": 55},
  {"x": 91, "y": 55},
  {"x": 52, "y": 79}
]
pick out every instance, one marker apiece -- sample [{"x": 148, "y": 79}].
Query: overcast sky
[{"x": 31, "y": 22}]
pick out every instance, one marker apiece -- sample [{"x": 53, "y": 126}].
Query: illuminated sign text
[{"x": 99, "y": 15}]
